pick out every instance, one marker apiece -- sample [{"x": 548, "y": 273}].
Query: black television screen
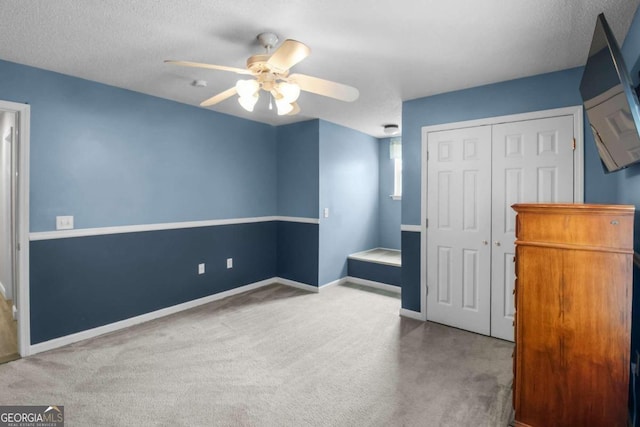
[{"x": 610, "y": 101}]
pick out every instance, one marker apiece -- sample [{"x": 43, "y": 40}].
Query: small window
[
  {"x": 395, "y": 153},
  {"x": 397, "y": 179}
]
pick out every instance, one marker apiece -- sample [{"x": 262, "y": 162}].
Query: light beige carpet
[{"x": 276, "y": 356}]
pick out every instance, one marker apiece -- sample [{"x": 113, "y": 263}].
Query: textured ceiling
[{"x": 392, "y": 51}]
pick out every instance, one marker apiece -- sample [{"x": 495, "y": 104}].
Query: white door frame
[
  {"x": 578, "y": 171},
  {"x": 22, "y": 297}
]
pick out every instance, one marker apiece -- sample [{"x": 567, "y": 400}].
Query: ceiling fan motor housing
[
  {"x": 258, "y": 64},
  {"x": 267, "y": 40}
]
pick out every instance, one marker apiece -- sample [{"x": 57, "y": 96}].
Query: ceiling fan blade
[
  {"x": 219, "y": 97},
  {"x": 209, "y": 66},
  {"x": 325, "y": 87},
  {"x": 288, "y": 54}
]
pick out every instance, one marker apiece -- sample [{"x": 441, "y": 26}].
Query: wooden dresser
[{"x": 573, "y": 314}]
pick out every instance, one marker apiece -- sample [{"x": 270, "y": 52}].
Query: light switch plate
[
  {"x": 201, "y": 268},
  {"x": 326, "y": 212},
  {"x": 64, "y": 222},
  {"x": 229, "y": 262}
]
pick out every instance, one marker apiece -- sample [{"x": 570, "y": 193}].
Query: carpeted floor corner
[{"x": 276, "y": 356}]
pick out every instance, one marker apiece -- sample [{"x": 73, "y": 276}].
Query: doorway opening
[
  {"x": 14, "y": 229},
  {"x": 8, "y": 255}
]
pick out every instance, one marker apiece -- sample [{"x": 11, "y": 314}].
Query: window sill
[{"x": 393, "y": 197}]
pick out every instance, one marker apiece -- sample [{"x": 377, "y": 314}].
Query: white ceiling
[{"x": 392, "y": 51}]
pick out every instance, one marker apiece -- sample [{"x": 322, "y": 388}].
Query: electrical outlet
[
  {"x": 229, "y": 262},
  {"x": 201, "y": 268},
  {"x": 64, "y": 222},
  {"x": 325, "y": 212}
]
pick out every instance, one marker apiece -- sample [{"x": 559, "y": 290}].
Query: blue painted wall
[
  {"x": 629, "y": 184},
  {"x": 112, "y": 157},
  {"x": 321, "y": 164},
  {"x": 631, "y": 48},
  {"x": 299, "y": 169},
  {"x": 82, "y": 283},
  {"x": 628, "y": 180},
  {"x": 411, "y": 257},
  {"x": 298, "y": 196},
  {"x": 298, "y": 252},
  {"x": 541, "y": 92},
  {"x": 382, "y": 273},
  {"x": 349, "y": 188},
  {"x": 390, "y": 210}
]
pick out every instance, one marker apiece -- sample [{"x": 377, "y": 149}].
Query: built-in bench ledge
[
  {"x": 379, "y": 256},
  {"x": 377, "y": 266}
]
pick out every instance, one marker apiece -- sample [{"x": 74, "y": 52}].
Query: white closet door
[
  {"x": 532, "y": 162},
  {"x": 459, "y": 213}
]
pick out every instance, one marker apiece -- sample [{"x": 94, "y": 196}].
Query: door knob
[
  {"x": 497, "y": 243},
  {"x": 484, "y": 242}
]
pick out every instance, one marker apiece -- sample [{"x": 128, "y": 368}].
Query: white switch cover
[
  {"x": 229, "y": 262},
  {"x": 326, "y": 212},
  {"x": 64, "y": 222},
  {"x": 201, "y": 268}
]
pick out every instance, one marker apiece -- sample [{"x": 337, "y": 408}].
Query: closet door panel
[
  {"x": 459, "y": 212},
  {"x": 532, "y": 162}
]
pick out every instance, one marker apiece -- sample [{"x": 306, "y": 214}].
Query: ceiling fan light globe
[
  {"x": 283, "y": 106},
  {"x": 247, "y": 88},
  {"x": 248, "y": 102},
  {"x": 289, "y": 91}
]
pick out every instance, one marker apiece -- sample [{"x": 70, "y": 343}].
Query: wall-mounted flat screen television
[{"x": 610, "y": 101}]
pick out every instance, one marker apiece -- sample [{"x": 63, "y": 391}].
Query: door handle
[
  {"x": 497, "y": 243},
  {"x": 484, "y": 242}
]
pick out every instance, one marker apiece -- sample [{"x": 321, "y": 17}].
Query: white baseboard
[
  {"x": 413, "y": 314},
  {"x": 373, "y": 284},
  {"x": 334, "y": 283},
  {"x": 295, "y": 284},
  {"x": 310, "y": 288},
  {"x": 112, "y": 327}
]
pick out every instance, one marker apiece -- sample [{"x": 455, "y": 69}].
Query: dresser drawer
[{"x": 583, "y": 225}]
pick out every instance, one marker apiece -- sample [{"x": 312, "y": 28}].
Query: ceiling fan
[{"x": 270, "y": 73}]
